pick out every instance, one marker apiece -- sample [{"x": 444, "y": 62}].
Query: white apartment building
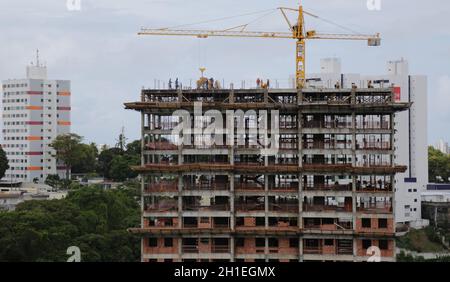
[
  {"x": 34, "y": 111},
  {"x": 442, "y": 146},
  {"x": 411, "y": 142}
]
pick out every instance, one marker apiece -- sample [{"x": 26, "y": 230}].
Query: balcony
[
  {"x": 326, "y": 208},
  {"x": 166, "y": 146},
  {"x": 163, "y": 186},
  {"x": 166, "y": 207},
  {"x": 288, "y": 187},
  {"x": 327, "y": 145},
  {"x": 288, "y": 145},
  {"x": 161, "y": 223},
  {"x": 374, "y": 187},
  {"x": 327, "y": 98},
  {"x": 328, "y": 247},
  {"x": 320, "y": 224},
  {"x": 204, "y": 146},
  {"x": 281, "y": 207},
  {"x": 379, "y": 207},
  {"x": 328, "y": 187},
  {"x": 288, "y": 124},
  {"x": 164, "y": 125},
  {"x": 220, "y": 249},
  {"x": 207, "y": 186},
  {"x": 374, "y": 146},
  {"x": 196, "y": 249},
  {"x": 248, "y": 187},
  {"x": 213, "y": 207},
  {"x": 328, "y": 124},
  {"x": 249, "y": 207},
  {"x": 373, "y": 125}
]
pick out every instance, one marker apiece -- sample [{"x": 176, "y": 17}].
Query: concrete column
[
  {"x": 354, "y": 139},
  {"x": 299, "y": 97},
  {"x": 231, "y": 155},
  {"x": 300, "y": 249},
  {"x": 354, "y": 198},
  {"x": 232, "y": 210},
  {"x": 392, "y": 124},
  {"x": 353, "y": 96},
  {"x": 231, "y": 97},
  {"x": 180, "y": 200},
  {"x": 180, "y": 248},
  {"x": 266, "y": 247},
  {"x": 180, "y": 95},
  {"x": 354, "y": 164},
  {"x": 300, "y": 201},
  {"x": 142, "y": 137},
  {"x": 266, "y": 201},
  {"x": 232, "y": 249}
]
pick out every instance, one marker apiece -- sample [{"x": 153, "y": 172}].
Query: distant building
[
  {"x": 14, "y": 193},
  {"x": 436, "y": 204},
  {"x": 442, "y": 146},
  {"x": 411, "y": 144},
  {"x": 35, "y": 111}
]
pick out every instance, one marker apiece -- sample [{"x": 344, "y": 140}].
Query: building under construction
[{"x": 326, "y": 194}]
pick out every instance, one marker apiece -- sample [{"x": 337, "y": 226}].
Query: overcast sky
[{"x": 98, "y": 50}]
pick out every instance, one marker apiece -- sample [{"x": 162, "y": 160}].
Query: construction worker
[
  {"x": 216, "y": 84},
  {"x": 268, "y": 83},
  {"x": 258, "y": 82},
  {"x": 176, "y": 83},
  {"x": 170, "y": 83}
]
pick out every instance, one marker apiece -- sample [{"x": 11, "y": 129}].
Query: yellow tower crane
[{"x": 297, "y": 31}]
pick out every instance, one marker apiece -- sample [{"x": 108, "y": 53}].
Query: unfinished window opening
[
  {"x": 383, "y": 244},
  {"x": 152, "y": 242},
  {"x": 366, "y": 244},
  {"x": 168, "y": 242},
  {"x": 382, "y": 223},
  {"x": 366, "y": 223},
  {"x": 260, "y": 242}
]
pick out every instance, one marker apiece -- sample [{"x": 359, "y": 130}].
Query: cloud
[{"x": 440, "y": 101}]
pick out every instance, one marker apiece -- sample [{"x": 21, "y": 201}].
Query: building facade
[
  {"x": 411, "y": 143},
  {"x": 35, "y": 110},
  {"x": 442, "y": 146},
  {"x": 326, "y": 193}
]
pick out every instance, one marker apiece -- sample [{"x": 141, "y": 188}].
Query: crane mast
[{"x": 297, "y": 32}]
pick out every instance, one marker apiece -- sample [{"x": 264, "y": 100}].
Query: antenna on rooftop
[{"x": 37, "y": 58}]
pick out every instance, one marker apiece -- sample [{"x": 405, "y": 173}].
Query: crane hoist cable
[{"x": 297, "y": 31}]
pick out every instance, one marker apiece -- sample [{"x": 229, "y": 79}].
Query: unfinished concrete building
[{"x": 327, "y": 194}]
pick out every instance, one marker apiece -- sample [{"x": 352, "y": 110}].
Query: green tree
[
  {"x": 438, "y": 166},
  {"x": 91, "y": 218},
  {"x": 68, "y": 150},
  {"x": 134, "y": 148},
  {"x": 120, "y": 169},
  {"x": 87, "y": 161},
  {"x": 54, "y": 181},
  {"x": 3, "y": 163},
  {"x": 104, "y": 161}
]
